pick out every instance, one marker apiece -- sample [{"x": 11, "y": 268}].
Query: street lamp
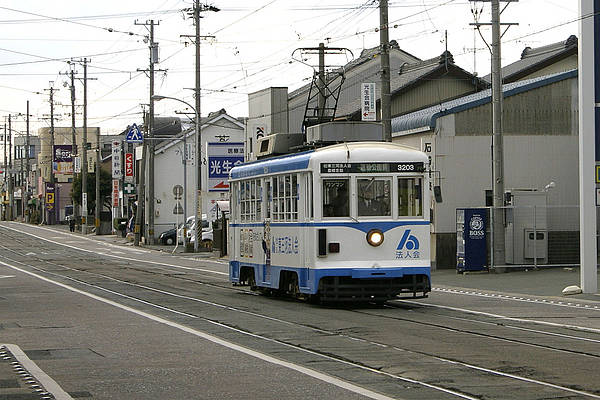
[{"x": 198, "y": 197}]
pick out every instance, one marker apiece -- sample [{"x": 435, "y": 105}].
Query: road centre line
[
  {"x": 298, "y": 368},
  {"x": 120, "y": 257}
]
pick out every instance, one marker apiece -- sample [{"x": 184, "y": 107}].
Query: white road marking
[
  {"x": 515, "y": 298},
  {"x": 6, "y": 276},
  {"x": 122, "y": 257},
  {"x": 298, "y": 368},
  {"x": 503, "y": 317}
]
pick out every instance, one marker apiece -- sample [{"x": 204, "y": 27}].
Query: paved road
[{"x": 106, "y": 321}]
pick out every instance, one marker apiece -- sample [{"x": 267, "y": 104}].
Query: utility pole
[
  {"x": 10, "y": 176},
  {"x": 198, "y": 225},
  {"x": 26, "y": 198},
  {"x": 99, "y": 202},
  {"x": 498, "y": 243},
  {"x": 5, "y": 174},
  {"x": 51, "y": 212},
  {"x": 150, "y": 123},
  {"x": 497, "y": 140},
  {"x": 195, "y": 12},
  {"x": 73, "y": 138},
  {"x": 384, "y": 42},
  {"x": 321, "y": 82},
  {"x": 141, "y": 193},
  {"x": 84, "y": 167}
]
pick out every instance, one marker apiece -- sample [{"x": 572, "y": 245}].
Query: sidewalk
[
  {"x": 543, "y": 282},
  {"x": 117, "y": 239}
]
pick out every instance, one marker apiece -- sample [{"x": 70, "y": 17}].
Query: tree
[{"x": 105, "y": 190}]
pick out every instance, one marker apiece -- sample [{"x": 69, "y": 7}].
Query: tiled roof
[{"x": 536, "y": 58}]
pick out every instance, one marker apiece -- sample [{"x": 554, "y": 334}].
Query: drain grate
[{"x": 27, "y": 381}]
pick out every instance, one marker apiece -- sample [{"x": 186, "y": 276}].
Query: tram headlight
[{"x": 375, "y": 237}]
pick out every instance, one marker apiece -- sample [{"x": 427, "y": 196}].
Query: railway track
[{"x": 374, "y": 342}]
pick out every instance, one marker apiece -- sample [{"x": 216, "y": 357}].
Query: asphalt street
[{"x": 102, "y": 336}]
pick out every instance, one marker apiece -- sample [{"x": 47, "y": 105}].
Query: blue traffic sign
[{"x": 134, "y": 135}]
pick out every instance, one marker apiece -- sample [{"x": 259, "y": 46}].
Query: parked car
[
  {"x": 169, "y": 237},
  {"x": 207, "y": 232}
]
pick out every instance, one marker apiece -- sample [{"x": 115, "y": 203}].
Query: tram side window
[
  {"x": 269, "y": 198},
  {"x": 374, "y": 197},
  {"x": 410, "y": 199},
  {"x": 285, "y": 198},
  {"x": 250, "y": 200},
  {"x": 335, "y": 198},
  {"x": 244, "y": 206}
]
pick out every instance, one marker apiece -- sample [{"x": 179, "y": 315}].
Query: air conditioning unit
[{"x": 277, "y": 144}]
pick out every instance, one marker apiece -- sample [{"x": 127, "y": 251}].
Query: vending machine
[{"x": 471, "y": 239}]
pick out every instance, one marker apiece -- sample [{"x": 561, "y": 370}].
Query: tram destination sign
[{"x": 371, "y": 168}]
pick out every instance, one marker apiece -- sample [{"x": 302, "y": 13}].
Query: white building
[{"x": 222, "y": 144}]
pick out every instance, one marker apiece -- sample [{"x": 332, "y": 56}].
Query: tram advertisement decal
[{"x": 371, "y": 168}]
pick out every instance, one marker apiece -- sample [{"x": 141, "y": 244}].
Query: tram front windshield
[{"x": 373, "y": 197}]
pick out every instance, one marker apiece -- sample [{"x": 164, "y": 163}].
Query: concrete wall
[
  {"x": 540, "y": 146},
  {"x": 168, "y": 167}
]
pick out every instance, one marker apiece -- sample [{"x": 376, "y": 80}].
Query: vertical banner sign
[
  {"x": 222, "y": 156},
  {"x": 77, "y": 165},
  {"x": 128, "y": 167},
  {"x": 368, "y": 102},
  {"x": 117, "y": 163},
  {"x": 115, "y": 193},
  {"x": 50, "y": 196},
  {"x": 84, "y": 207},
  {"x": 62, "y": 159}
]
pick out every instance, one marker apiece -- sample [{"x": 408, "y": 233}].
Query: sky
[{"x": 248, "y": 46}]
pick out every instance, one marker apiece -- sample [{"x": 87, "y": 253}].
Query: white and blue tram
[{"x": 347, "y": 222}]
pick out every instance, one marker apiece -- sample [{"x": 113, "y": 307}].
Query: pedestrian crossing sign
[{"x": 134, "y": 135}]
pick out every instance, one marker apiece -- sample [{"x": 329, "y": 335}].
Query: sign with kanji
[
  {"x": 128, "y": 167},
  {"x": 222, "y": 156},
  {"x": 117, "y": 164},
  {"x": 115, "y": 193},
  {"x": 368, "y": 100}
]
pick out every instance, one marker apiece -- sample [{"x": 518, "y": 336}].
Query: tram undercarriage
[{"x": 344, "y": 289}]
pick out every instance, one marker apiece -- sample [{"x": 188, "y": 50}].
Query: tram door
[
  {"x": 306, "y": 195},
  {"x": 266, "y": 243}
]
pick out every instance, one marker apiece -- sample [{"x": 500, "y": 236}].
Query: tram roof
[{"x": 361, "y": 151}]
